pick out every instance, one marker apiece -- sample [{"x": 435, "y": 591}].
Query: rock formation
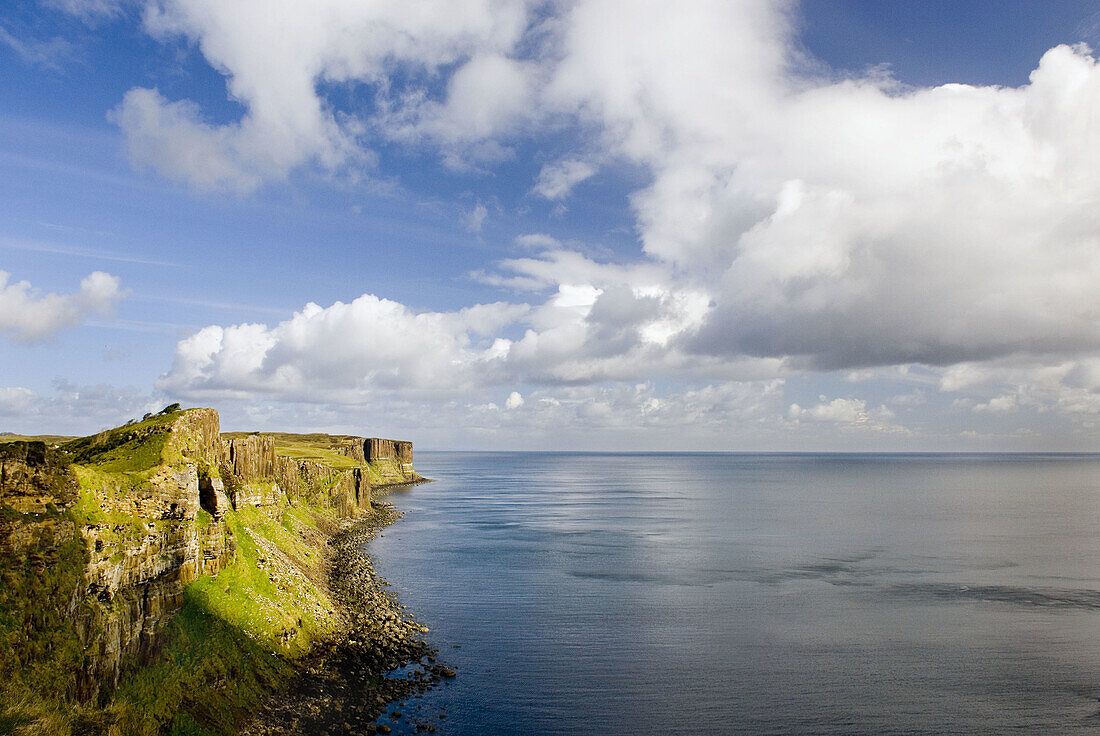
[{"x": 138, "y": 513}]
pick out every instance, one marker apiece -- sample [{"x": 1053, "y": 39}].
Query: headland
[{"x": 164, "y": 578}]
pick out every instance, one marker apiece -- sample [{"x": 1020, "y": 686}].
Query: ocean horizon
[{"x": 770, "y": 593}]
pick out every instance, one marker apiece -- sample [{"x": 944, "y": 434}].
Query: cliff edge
[{"x": 149, "y": 563}]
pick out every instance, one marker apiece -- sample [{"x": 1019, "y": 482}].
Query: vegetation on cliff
[{"x": 161, "y": 578}]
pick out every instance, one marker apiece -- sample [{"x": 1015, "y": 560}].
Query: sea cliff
[{"x": 161, "y": 577}]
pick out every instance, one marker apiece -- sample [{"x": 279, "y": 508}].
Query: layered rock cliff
[{"x": 101, "y": 538}]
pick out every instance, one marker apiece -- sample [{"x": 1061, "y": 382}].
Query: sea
[{"x": 584, "y": 593}]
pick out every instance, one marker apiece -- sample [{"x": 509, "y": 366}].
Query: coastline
[
  {"x": 347, "y": 681},
  {"x": 177, "y": 579}
]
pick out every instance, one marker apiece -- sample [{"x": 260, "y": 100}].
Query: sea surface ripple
[{"x": 756, "y": 594}]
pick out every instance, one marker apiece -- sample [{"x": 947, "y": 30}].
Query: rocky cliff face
[
  {"x": 147, "y": 538},
  {"x": 252, "y": 458},
  {"x": 305, "y": 481},
  {"x": 110, "y": 529}
]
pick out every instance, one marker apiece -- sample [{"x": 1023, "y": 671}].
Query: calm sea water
[{"x": 840, "y": 594}]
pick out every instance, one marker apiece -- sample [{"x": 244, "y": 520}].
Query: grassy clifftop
[{"x": 179, "y": 577}]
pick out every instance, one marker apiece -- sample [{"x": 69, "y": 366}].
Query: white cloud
[
  {"x": 475, "y": 218},
  {"x": 275, "y": 61},
  {"x": 71, "y": 409},
  {"x": 342, "y": 352},
  {"x": 557, "y": 180},
  {"x": 1067, "y": 387},
  {"x": 514, "y": 400},
  {"x": 90, "y": 10},
  {"x": 791, "y": 221},
  {"x": 26, "y": 315},
  {"x": 852, "y": 413},
  {"x": 49, "y": 54},
  {"x": 998, "y": 405},
  {"x": 487, "y": 97},
  {"x": 839, "y": 224},
  {"x": 16, "y": 400}
]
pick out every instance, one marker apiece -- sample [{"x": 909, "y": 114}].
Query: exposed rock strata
[{"x": 151, "y": 519}]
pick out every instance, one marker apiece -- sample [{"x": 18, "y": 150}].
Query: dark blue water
[{"x": 635, "y": 594}]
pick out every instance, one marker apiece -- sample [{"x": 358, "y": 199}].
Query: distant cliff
[{"x": 105, "y": 539}]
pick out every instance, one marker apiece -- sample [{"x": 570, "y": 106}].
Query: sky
[{"x": 565, "y": 225}]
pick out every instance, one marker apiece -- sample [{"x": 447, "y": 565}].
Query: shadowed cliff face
[
  {"x": 42, "y": 564},
  {"x": 33, "y": 475}
]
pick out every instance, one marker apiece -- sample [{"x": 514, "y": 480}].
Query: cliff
[{"x": 118, "y": 548}]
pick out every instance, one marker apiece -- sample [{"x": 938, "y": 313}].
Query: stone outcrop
[
  {"x": 354, "y": 448},
  {"x": 380, "y": 449},
  {"x": 250, "y": 461},
  {"x": 346, "y": 490},
  {"x": 397, "y": 451},
  {"x": 171, "y": 492},
  {"x": 404, "y": 453},
  {"x": 197, "y": 435},
  {"x": 252, "y": 458}
]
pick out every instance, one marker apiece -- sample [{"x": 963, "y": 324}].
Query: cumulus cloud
[
  {"x": 856, "y": 222},
  {"x": 609, "y": 324},
  {"x": 1069, "y": 387},
  {"x": 274, "y": 63},
  {"x": 834, "y": 223},
  {"x": 341, "y": 352},
  {"x": 26, "y": 315},
  {"x": 791, "y": 221}
]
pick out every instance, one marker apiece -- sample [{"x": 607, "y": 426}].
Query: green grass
[
  {"x": 209, "y": 678},
  {"x": 226, "y": 650},
  {"x": 130, "y": 448},
  {"x": 96, "y": 487},
  {"x": 301, "y": 516},
  {"x": 87, "y": 507},
  {"x": 320, "y": 448},
  {"x": 325, "y": 450},
  {"x": 49, "y": 439},
  {"x": 245, "y": 596},
  {"x": 324, "y": 456},
  {"x": 238, "y": 633}
]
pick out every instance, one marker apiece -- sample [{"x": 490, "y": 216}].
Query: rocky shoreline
[{"x": 378, "y": 658}]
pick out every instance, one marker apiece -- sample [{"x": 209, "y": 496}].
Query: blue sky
[{"x": 560, "y": 225}]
